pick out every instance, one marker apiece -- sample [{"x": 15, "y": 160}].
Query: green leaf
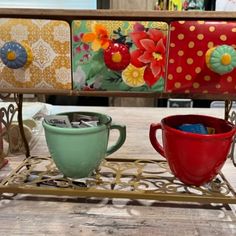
[
  {"x": 158, "y": 86},
  {"x": 95, "y": 66}
]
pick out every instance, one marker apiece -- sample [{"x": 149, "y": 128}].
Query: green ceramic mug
[{"x": 77, "y": 152}]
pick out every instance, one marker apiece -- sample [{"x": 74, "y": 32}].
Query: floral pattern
[
  {"x": 133, "y": 76},
  {"x": 150, "y": 53},
  {"x": 99, "y": 37},
  {"x": 130, "y": 57},
  {"x": 116, "y": 56}
]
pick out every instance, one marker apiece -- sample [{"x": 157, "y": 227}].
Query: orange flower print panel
[{"x": 119, "y": 55}]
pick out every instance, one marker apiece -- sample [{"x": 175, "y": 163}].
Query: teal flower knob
[
  {"x": 14, "y": 55},
  {"x": 221, "y": 59}
]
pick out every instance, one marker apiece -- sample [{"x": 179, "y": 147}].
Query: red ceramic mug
[{"x": 194, "y": 158}]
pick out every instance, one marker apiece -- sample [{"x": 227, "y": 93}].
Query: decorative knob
[
  {"x": 15, "y": 55},
  {"x": 221, "y": 59}
]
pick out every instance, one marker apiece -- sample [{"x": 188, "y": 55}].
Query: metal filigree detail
[
  {"x": 6, "y": 117},
  {"x": 8, "y": 114},
  {"x": 137, "y": 179}
]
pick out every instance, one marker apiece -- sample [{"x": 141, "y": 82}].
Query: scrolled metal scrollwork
[
  {"x": 7, "y": 114},
  {"x": 6, "y": 117},
  {"x": 129, "y": 179}
]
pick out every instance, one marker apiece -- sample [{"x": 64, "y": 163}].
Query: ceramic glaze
[
  {"x": 77, "y": 152},
  {"x": 13, "y": 55},
  {"x": 193, "y": 158}
]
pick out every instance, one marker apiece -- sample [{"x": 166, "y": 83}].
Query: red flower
[
  {"x": 150, "y": 52},
  {"x": 117, "y": 56}
]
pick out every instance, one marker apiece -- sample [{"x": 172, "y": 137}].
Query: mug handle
[
  {"x": 152, "y": 136},
  {"x": 121, "y": 139}
]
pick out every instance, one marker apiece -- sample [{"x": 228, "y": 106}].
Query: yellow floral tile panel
[{"x": 35, "y": 54}]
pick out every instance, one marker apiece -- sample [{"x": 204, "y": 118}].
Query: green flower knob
[{"x": 221, "y": 59}]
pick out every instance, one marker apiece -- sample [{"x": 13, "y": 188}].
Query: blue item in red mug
[{"x": 193, "y": 128}]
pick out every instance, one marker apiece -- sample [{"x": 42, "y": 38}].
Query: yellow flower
[
  {"x": 133, "y": 76},
  {"x": 99, "y": 37}
]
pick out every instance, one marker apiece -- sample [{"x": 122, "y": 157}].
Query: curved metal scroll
[{"x": 6, "y": 118}]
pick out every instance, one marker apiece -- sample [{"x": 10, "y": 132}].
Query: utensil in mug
[
  {"x": 77, "y": 152},
  {"x": 194, "y": 158}
]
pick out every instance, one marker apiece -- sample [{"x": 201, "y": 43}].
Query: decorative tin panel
[
  {"x": 202, "y": 57},
  {"x": 48, "y": 44},
  {"x": 119, "y": 55}
]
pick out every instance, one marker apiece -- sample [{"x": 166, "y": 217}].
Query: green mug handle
[{"x": 121, "y": 139}]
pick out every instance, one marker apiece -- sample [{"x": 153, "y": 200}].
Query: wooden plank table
[{"x": 27, "y": 214}]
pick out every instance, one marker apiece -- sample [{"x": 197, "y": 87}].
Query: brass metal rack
[{"x": 115, "y": 178}]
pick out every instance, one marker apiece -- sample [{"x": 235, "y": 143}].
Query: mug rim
[
  {"x": 198, "y": 135},
  {"x": 86, "y": 130}
]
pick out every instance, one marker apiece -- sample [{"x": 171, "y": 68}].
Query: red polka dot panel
[{"x": 187, "y": 70}]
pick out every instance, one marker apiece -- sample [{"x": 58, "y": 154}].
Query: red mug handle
[{"x": 152, "y": 136}]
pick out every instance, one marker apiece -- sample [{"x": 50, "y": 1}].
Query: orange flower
[{"x": 99, "y": 37}]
